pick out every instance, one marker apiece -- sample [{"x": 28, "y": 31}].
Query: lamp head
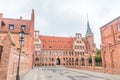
[{"x": 22, "y": 34}]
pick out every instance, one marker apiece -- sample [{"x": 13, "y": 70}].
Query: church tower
[
  {"x": 89, "y": 31},
  {"x": 90, "y": 46}
]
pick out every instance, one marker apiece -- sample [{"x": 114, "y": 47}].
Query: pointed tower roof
[{"x": 89, "y": 31}]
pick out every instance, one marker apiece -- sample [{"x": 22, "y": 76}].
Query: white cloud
[{"x": 64, "y": 17}]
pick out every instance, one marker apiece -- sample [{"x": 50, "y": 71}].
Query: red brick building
[
  {"x": 110, "y": 46},
  {"x": 67, "y": 51},
  {"x": 10, "y": 46}
]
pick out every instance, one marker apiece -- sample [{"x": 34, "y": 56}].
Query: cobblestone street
[{"x": 62, "y": 73}]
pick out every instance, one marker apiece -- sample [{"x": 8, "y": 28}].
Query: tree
[
  {"x": 98, "y": 51},
  {"x": 98, "y": 59},
  {"x": 90, "y": 60}
]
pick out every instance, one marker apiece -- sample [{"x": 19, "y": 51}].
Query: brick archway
[
  {"x": 82, "y": 61},
  {"x": 58, "y": 61},
  {"x": 76, "y": 61}
]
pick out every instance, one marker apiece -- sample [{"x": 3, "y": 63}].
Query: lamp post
[{"x": 21, "y": 39}]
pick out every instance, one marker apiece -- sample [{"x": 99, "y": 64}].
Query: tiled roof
[
  {"x": 17, "y": 25},
  {"x": 58, "y": 43}
]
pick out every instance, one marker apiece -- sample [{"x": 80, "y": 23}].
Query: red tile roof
[
  {"x": 17, "y": 24},
  {"x": 56, "y": 43}
]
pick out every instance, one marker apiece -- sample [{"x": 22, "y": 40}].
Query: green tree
[
  {"x": 90, "y": 59},
  {"x": 98, "y": 51},
  {"x": 98, "y": 59}
]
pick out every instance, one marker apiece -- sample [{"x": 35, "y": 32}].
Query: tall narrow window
[{"x": 11, "y": 27}]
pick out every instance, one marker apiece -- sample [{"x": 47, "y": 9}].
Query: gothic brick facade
[
  {"x": 67, "y": 51},
  {"x": 9, "y": 41},
  {"x": 110, "y": 46}
]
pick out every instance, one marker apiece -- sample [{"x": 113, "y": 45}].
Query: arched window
[
  {"x": 36, "y": 59},
  {"x": 82, "y": 60},
  {"x": 58, "y": 61}
]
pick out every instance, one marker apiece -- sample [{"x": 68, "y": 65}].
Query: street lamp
[{"x": 21, "y": 39}]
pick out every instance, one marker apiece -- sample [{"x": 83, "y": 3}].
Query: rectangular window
[
  {"x": 23, "y": 27},
  {"x": 11, "y": 27}
]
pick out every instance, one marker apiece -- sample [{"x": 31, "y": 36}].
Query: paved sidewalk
[
  {"x": 30, "y": 75},
  {"x": 97, "y": 74},
  {"x": 63, "y": 73}
]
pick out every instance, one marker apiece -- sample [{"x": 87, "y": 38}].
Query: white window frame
[{"x": 11, "y": 27}]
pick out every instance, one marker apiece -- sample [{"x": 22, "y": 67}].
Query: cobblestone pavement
[{"x": 62, "y": 73}]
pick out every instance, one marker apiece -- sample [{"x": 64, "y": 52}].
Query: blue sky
[{"x": 64, "y": 17}]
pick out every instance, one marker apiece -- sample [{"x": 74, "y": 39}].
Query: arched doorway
[
  {"x": 76, "y": 61},
  {"x": 58, "y": 61},
  {"x": 83, "y": 62}
]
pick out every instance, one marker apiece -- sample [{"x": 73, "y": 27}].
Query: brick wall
[
  {"x": 9, "y": 60},
  {"x": 110, "y": 46}
]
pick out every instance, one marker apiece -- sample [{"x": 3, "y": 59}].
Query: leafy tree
[
  {"x": 90, "y": 59},
  {"x": 98, "y": 51},
  {"x": 98, "y": 59}
]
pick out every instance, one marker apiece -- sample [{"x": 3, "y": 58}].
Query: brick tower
[{"x": 89, "y": 36}]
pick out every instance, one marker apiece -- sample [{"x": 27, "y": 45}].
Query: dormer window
[
  {"x": 23, "y": 27},
  {"x": 118, "y": 27},
  {"x": 11, "y": 27}
]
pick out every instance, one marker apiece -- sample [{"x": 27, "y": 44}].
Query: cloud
[{"x": 64, "y": 17}]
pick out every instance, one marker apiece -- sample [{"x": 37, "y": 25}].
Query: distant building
[
  {"x": 67, "y": 51},
  {"x": 10, "y": 46},
  {"x": 110, "y": 46}
]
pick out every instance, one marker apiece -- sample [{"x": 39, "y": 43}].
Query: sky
[{"x": 64, "y": 17}]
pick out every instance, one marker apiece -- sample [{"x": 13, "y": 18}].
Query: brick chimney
[{"x": 20, "y": 17}]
